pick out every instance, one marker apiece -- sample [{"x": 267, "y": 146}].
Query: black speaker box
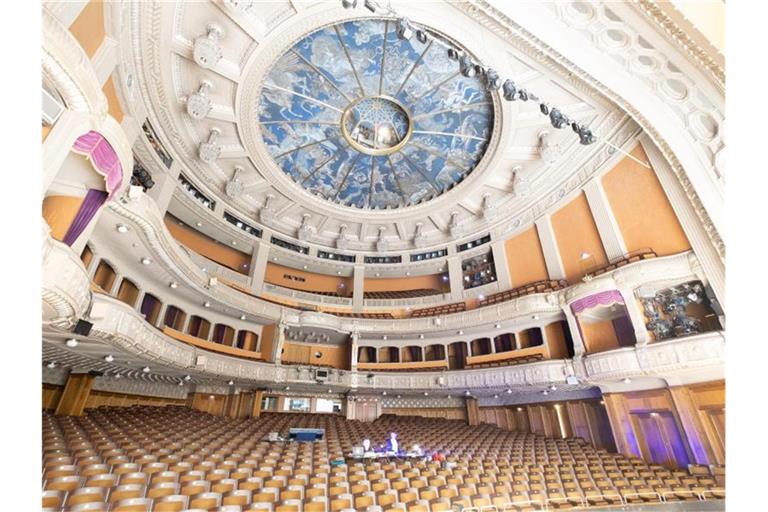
[{"x": 83, "y": 328}]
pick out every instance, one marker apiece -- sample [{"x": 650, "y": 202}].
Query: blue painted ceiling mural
[{"x": 361, "y": 118}]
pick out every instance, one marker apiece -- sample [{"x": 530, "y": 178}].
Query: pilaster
[
  {"x": 549, "y": 247},
  {"x": 607, "y": 227}
]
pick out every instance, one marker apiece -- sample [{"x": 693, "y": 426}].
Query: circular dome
[{"x": 391, "y": 124}]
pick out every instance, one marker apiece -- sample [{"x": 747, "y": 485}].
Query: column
[
  {"x": 75, "y": 394},
  {"x": 161, "y": 315},
  {"x": 500, "y": 262},
  {"x": 636, "y": 316},
  {"x": 358, "y": 293},
  {"x": 473, "y": 411},
  {"x": 165, "y": 184},
  {"x": 278, "y": 347},
  {"x": 573, "y": 324},
  {"x": 258, "y": 266},
  {"x": 185, "y": 325},
  {"x": 692, "y": 425},
  {"x": 258, "y": 396},
  {"x": 549, "y": 248},
  {"x": 455, "y": 274},
  {"x": 517, "y": 342},
  {"x": 607, "y": 227},
  {"x": 115, "y": 285},
  {"x": 705, "y": 250},
  {"x": 353, "y": 340},
  {"x": 95, "y": 260}
]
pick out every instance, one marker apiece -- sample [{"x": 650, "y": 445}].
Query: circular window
[{"x": 357, "y": 116}]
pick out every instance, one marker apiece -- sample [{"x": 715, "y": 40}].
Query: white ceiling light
[
  {"x": 72, "y": 342},
  {"x": 421, "y": 336},
  {"x": 287, "y": 388},
  {"x": 585, "y": 255},
  {"x": 234, "y": 242},
  {"x": 384, "y": 393},
  {"x": 231, "y": 383},
  {"x": 122, "y": 228},
  {"x": 145, "y": 369},
  {"x": 187, "y": 377},
  {"x": 174, "y": 285},
  {"x": 207, "y": 304},
  {"x": 51, "y": 365},
  {"x": 181, "y": 383},
  {"x": 426, "y": 393},
  {"x": 118, "y": 376},
  {"x": 109, "y": 358},
  {"x": 460, "y": 333},
  {"x": 553, "y": 388},
  {"x": 545, "y": 392},
  {"x": 498, "y": 326},
  {"x": 495, "y": 396},
  {"x": 199, "y": 224},
  {"x": 384, "y": 337},
  {"x": 242, "y": 317},
  {"x": 509, "y": 391},
  {"x": 626, "y": 380},
  {"x": 145, "y": 261},
  {"x": 330, "y": 390}
]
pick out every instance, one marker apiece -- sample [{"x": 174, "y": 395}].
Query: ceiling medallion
[{"x": 357, "y": 116}]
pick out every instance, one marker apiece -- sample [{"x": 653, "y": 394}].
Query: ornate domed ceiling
[{"x": 360, "y": 117}]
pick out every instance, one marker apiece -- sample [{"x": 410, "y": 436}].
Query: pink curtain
[
  {"x": 606, "y": 298},
  {"x": 103, "y": 158}
]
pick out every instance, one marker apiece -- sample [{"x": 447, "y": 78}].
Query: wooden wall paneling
[
  {"x": 473, "y": 411},
  {"x": 51, "y": 396},
  {"x": 75, "y": 395}
]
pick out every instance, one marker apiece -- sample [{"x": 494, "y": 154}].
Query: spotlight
[
  {"x": 522, "y": 94},
  {"x": 492, "y": 79},
  {"x": 498, "y": 326},
  {"x": 330, "y": 390},
  {"x": 51, "y": 365},
  {"x": 384, "y": 393},
  {"x": 145, "y": 369},
  {"x": 510, "y": 90},
  {"x": 145, "y": 261},
  {"x": 496, "y": 396},
  {"x": 242, "y": 317},
  {"x": 467, "y": 67},
  {"x": 72, "y": 342},
  {"x": 370, "y": 5},
  {"x": 545, "y": 392},
  {"x": 421, "y": 336},
  {"x": 349, "y": 4},
  {"x": 109, "y": 358},
  {"x": 460, "y": 333},
  {"x": 287, "y": 388},
  {"x": 575, "y": 127},
  {"x": 454, "y": 54},
  {"x": 421, "y": 36},
  {"x": 187, "y": 378},
  {"x": 585, "y": 136},
  {"x": 426, "y": 393},
  {"x": 509, "y": 391},
  {"x": 626, "y": 380},
  {"x": 207, "y": 304},
  {"x": 174, "y": 285},
  {"x": 231, "y": 383},
  {"x": 181, "y": 383},
  {"x": 118, "y": 376},
  {"x": 404, "y": 29},
  {"x": 122, "y": 228},
  {"x": 544, "y": 109},
  {"x": 553, "y": 388},
  {"x": 466, "y": 393}
]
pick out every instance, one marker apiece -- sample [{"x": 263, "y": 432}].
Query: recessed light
[
  {"x": 426, "y": 393},
  {"x": 181, "y": 383},
  {"x": 626, "y": 380},
  {"x": 495, "y": 396},
  {"x": 509, "y": 391},
  {"x": 145, "y": 369},
  {"x": 52, "y": 364},
  {"x": 242, "y": 317},
  {"x": 545, "y": 392},
  {"x": 553, "y": 388},
  {"x": 204, "y": 269},
  {"x": 304, "y": 267},
  {"x": 407, "y": 273},
  {"x": 338, "y": 272},
  {"x": 377, "y": 274},
  {"x": 199, "y": 224},
  {"x": 585, "y": 255},
  {"x": 109, "y": 358},
  {"x": 274, "y": 258},
  {"x": 466, "y": 393},
  {"x": 481, "y": 297},
  {"x": 187, "y": 377},
  {"x": 174, "y": 285},
  {"x": 72, "y": 342},
  {"x": 287, "y": 388},
  {"x": 231, "y": 383},
  {"x": 498, "y": 326},
  {"x": 535, "y": 317},
  {"x": 210, "y": 397},
  {"x": 207, "y": 304},
  {"x": 122, "y": 228},
  {"x": 384, "y": 337},
  {"x": 398, "y": 396},
  {"x": 145, "y": 261},
  {"x": 519, "y": 409},
  {"x": 421, "y": 336},
  {"x": 384, "y": 393},
  {"x": 118, "y": 376},
  {"x": 460, "y": 333},
  {"x": 234, "y": 242}
]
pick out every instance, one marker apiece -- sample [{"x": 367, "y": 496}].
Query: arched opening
[
  {"x": 434, "y": 353},
  {"x": 86, "y": 256},
  {"x": 481, "y": 346},
  {"x": 389, "y": 355},
  {"x": 174, "y": 318},
  {"x": 504, "y": 342},
  {"x": 223, "y": 334},
  {"x": 104, "y": 277},
  {"x": 247, "y": 340},
  {"x": 150, "y": 308},
  {"x": 411, "y": 354},
  {"x": 199, "y": 327},
  {"x": 530, "y": 337},
  {"x": 559, "y": 340},
  {"x": 366, "y": 354},
  {"x": 457, "y": 355},
  {"x": 128, "y": 292}
]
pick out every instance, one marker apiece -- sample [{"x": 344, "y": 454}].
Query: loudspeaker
[
  {"x": 83, "y": 328},
  {"x": 96, "y": 373}
]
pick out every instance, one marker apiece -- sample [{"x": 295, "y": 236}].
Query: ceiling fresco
[{"x": 392, "y": 123}]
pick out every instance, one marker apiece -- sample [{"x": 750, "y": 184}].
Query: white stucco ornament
[
  {"x": 234, "y": 187},
  {"x": 207, "y": 51}
]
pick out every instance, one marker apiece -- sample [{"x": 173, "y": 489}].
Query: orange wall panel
[
  {"x": 114, "y": 104},
  {"x": 275, "y": 274},
  {"x": 334, "y": 356},
  {"x": 599, "y": 336},
  {"x": 267, "y": 340},
  {"x": 525, "y": 258},
  {"x": 88, "y": 28},
  {"x": 205, "y": 246},
  {"x": 59, "y": 212},
  {"x": 642, "y": 210},
  {"x": 576, "y": 233},
  {"x": 388, "y": 284},
  {"x": 556, "y": 341}
]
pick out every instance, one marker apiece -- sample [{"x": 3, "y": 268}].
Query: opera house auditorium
[{"x": 362, "y": 255}]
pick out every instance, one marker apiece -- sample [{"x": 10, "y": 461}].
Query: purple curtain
[
  {"x": 606, "y": 298},
  {"x": 91, "y": 204},
  {"x": 625, "y": 333}
]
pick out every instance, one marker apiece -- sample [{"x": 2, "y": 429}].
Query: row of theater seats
[
  {"x": 380, "y": 316},
  {"x": 537, "y": 287},
  {"x": 401, "y": 294},
  {"x": 174, "y": 458},
  {"x": 445, "y": 309},
  {"x": 632, "y": 257},
  {"x": 531, "y": 358}
]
